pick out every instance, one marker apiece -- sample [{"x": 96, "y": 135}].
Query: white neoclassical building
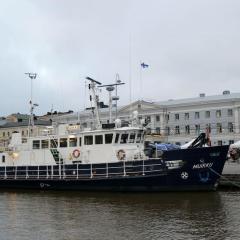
[{"x": 178, "y": 121}]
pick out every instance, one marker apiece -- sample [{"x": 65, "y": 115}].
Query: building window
[
  {"x": 187, "y": 129},
  {"x": 88, "y": 140},
  {"x": 108, "y": 138},
  {"x": 36, "y": 144},
  {"x": 3, "y": 134},
  {"x": 197, "y": 115},
  {"x": 230, "y": 112},
  {"x": 177, "y": 130},
  {"x": 186, "y": 116},
  {"x": 148, "y": 119},
  {"x": 231, "y": 142},
  {"x": 208, "y": 128},
  {"x": 207, "y": 114},
  {"x": 158, "y": 130},
  {"x": 22, "y": 133},
  {"x": 219, "y": 128},
  {"x": 45, "y": 143},
  {"x": 230, "y": 127},
  {"x": 167, "y": 117},
  {"x": 63, "y": 142},
  {"x": 3, "y": 159},
  {"x": 157, "y": 118},
  {"x": 98, "y": 139},
  {"x": 72, "y": 142},
  {"x": 177, "y": 116},
  {"x": 219, "y": 143},
  {"x": 80, "y": 141},
  {"x": 197, "y": 129},
  {"x": 218, "y": 113},
  {"x": 168, "y": 131}
]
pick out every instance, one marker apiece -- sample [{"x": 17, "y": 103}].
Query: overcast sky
[{"x": 191, "y": 46}]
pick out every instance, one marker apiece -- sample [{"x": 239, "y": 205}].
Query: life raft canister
[
  {"x": 121, "y": 154},
  {"x": 76, "y": 153}
]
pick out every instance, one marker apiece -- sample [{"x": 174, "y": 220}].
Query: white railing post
[
  {"x": 124, "y": 169},
  {"x": 143, "y": 170},
  {"x": 107, "y": 170},
  {"x": 15, "y": 173},
  {"x": 5, "y": 174},
  {"x": 77, "y": 170},
  {"x": 38, "y": 172},
  {"x": 26, "y": 172},
  {"x": 91, "y": 170}
]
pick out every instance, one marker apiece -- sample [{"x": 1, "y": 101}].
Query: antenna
[
  {"x": 94, "y": 98},
  {"x": 110, "y": 88},
  {"x": 32, "y": 105}
]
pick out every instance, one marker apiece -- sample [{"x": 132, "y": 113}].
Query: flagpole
[{"x": 140, "y": 73}]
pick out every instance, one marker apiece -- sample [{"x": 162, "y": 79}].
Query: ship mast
[
  {"x": 32, "y": 105},
  {"x": 94, "y": 99},
  {"x": 110, "y": 88}
]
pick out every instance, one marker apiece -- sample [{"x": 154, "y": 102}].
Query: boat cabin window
[
  {"x": 117, "y": 138},
  {"x": 138, "y": 139},
  {"x": 72, "y": 142},
  {"x": 80, "y": 141},
  {"x": 54, "y": 143},
  {"x": 132, "y": 138},
  {"x": 36, "y": 144},
  {"x": 124, "y": 138},
  {"x": 63, "y": 142},
  {"x": 98, "y": 139},
  {"x": 45, "y": 143},
  {"x": 88, "y": 140},
  {"x": 108, "y": 138},
  {"x": 3, "y": 159}
]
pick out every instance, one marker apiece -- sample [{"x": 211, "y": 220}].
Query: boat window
[
  {"x": 36, "y": 144},
  {"x": 138, "y": 140},
  {"x": 72, "y": 142},
  {"x": 88, "y": 140},
  {"x": 98, "y": 139},
  {"x": 132, "y": 138},
  {"x": 124, "y": 138},
  {"x": 63, "y": 142},
  {"x": 117, "y": 138},
  {"x": 3, "y": 159},
  {"x": 80, "y": 141},
  {"x": 108, "y": 138},
  {"x": 45, "y": 143},
  {"x": 54, "y": 143}
]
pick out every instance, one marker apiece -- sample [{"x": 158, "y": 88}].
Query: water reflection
[{"x": 78, "y": 215}]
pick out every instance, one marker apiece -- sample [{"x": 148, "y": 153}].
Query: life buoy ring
[
  {"x": 76, "y": 153},
  {"x": 121, "y": 154}
]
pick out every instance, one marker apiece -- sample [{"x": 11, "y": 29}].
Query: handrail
[{"x": 79, "y": 171}]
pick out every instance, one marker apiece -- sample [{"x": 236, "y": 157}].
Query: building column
[{"x": 236, "y": 119}]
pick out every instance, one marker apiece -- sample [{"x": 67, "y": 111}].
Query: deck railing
[{"x": 84, "y": 171}]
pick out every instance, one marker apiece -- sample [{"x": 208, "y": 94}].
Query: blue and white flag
[{"x": 144, "y": 65}]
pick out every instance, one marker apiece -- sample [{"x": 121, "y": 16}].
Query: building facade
[{"x": 178, "y": 121}]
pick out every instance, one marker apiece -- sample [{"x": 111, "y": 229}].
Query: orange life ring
[
  {"x": 76, "y": 153},
  {"x": 121, "y": 154}
]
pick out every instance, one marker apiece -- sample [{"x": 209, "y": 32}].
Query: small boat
[{"x": 108, "y": 157}]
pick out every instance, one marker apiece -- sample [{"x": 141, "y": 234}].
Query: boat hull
[{"x": 179, "y": 170}]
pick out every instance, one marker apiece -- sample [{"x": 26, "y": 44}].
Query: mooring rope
[{"x": 233, "y": 183}]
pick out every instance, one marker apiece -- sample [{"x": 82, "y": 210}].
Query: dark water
[{"x": 71, "y": 215}]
